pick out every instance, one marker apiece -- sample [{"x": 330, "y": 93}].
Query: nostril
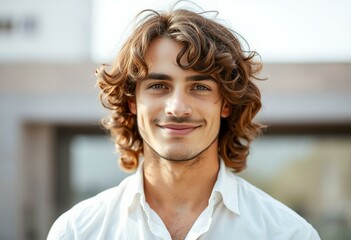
[{"x": 178, "y": 109}]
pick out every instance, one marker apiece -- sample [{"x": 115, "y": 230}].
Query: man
[{"x": 182, "y": 101}]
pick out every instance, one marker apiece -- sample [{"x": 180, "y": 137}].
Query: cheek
[
  {"x": 211, "y": 112},
  {"x": 144, "y": 115}
]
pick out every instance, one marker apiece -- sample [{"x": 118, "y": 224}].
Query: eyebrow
[{"x": 161, "y": 76}]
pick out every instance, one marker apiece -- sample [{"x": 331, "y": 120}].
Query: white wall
[
  {"x": 60, "y": 30},
  {"x": 281, "y": 31}
]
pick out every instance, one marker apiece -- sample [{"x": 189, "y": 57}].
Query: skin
[{"x": 178, "y": 113}]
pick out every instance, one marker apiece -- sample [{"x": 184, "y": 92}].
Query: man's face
[{"x": 178, "y": 111}]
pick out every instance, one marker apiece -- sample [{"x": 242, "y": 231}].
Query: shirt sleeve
[
  {"x": 313, "y": 235},
  {"x": 59, "y": 229}
]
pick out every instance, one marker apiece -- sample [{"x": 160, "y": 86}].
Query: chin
[{"x": 179, "y": 156}]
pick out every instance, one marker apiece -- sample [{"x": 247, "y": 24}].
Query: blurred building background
[{"x": 53, "y": 152}]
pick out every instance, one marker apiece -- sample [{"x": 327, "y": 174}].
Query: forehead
[
  {"x": 163, "y": 50},
  {"x": 161, "y": 59}
]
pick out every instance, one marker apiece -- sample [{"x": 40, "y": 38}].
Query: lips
[{"x": 178, "y": 129}]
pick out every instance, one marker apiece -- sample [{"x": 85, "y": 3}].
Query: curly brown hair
[{"x": 210, "y": 48}]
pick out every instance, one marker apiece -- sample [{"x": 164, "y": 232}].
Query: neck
[
  {"x": 179, "y": 191},
  {"x": 173, "y": 185}
]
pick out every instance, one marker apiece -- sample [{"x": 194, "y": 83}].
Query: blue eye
[
  {"x": 201, "y": 88},
  {"x": 157, "y": 86}
]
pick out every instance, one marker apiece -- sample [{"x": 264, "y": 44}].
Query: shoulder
[
  {"x": 252, "y": 197},
  {"x": 91, "y": 213},
  {"x": 261, "y": 209}
]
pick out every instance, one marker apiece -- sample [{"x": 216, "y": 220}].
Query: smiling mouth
[{"x": 176, "y": 129}]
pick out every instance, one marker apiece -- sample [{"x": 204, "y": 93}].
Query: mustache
[{"x": 173, "y": 119}]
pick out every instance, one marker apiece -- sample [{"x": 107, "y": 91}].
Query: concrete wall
[{"x": 33, "y": 99}]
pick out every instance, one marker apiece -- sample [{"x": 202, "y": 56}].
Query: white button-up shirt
[{"x": 236, "y": 210}]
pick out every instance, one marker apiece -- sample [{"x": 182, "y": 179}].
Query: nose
[{"x": 178, "y": 105}]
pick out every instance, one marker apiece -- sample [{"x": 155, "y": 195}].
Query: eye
[
  {"x": 157, "y": 86},
  {"x": 200, "y": 87}
]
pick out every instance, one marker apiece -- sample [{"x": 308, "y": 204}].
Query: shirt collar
[
  {"x": 136, "y": 186},
  {"x": 226, "y": 185}
]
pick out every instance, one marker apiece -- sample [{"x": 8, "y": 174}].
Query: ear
[
  {"x": 226, "y": 110},
  {"x": 132, "y": 105}
]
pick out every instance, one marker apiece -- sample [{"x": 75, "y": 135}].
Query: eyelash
[
  {"x": 157, "y": 86},
  {"x": 162, "y": 86},
  {"x": 203, "y": 87}
]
